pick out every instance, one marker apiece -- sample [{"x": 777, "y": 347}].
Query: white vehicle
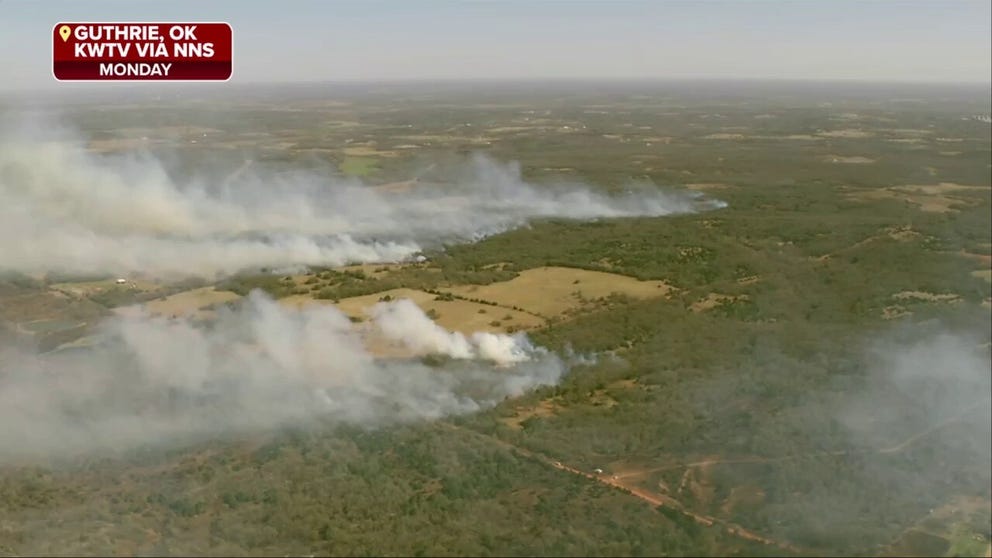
[{"x": 121, "y": 281}]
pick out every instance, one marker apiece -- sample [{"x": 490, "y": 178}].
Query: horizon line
[{"x": 138, "y": 84}]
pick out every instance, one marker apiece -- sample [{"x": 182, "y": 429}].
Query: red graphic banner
[{"x": 141, "y": 51}]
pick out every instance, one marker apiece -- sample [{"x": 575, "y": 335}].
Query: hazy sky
[{"x": 304, "y": 40}]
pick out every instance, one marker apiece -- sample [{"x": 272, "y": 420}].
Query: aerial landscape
[{"x": 508, "y": 317}]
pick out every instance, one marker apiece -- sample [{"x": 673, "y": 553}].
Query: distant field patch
[
  {"x": 358, "y": 166},
  {"x": 926, "y": 297},
  {"x": 509, "y": 129},
  {"x": 554, "y": 291},
  {"x": 724, "y": 136},
  {"x": 853, "y": 160},
  {"x": 366, "y": 151},
  {"x": 983, "y": 274},
  {"x": 343, "y": 124},
  {"x": 704, "y": 186},
  {"x": 918, "y": 543},
  {"x": 845, "y": 133},
  {"x": 190, "y": 302},
  {"x": 47, "y": 305},
  {"x": 454, "y": 315},
  {"x": 984, "y": 259},
  {"x": 89, "y": 288},
  {"x": 933, "y": 198},
  {"x": 47, "y": 326}
]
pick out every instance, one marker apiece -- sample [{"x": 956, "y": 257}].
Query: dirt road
[
  {"x": 652, "y": 498},
  {"x": 660, "y": 500},
  {"x": 895, "y": 448}
]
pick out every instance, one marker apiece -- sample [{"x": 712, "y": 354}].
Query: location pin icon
[{"x": 64, "y": 31}]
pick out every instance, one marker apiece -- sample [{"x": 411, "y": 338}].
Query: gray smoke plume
[
  {"x": 154, "y": 381},
  {"x": 925, "y": 386},
  {"x": 63, "y": 208}
]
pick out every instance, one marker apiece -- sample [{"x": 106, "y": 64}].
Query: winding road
[{"x": 660, "y": 500}]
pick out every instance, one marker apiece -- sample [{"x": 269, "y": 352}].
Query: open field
[
  {"x": 189, "y": 303},
  {"x": 938, "y": 198},
  {"x": 557, "y": 291},
  {"x": 728, "y": 393}
]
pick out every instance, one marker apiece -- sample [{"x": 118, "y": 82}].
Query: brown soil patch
[
  {"x": 926, "y": 297},
  {"x": 713, "y": 300},
  {"x": 554, "y": 291},
  {"x": 749, "y": 280}
]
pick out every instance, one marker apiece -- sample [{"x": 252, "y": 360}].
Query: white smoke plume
[
  {"x": 66, "y": 209},
  {"x": 151, "y": 380},
  {"x": 405, "y": 322},
  {"x": 155, "y": 381}
]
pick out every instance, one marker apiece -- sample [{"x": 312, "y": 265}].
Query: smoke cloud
[
  {"x": 64, "y": 208},
  {"x": 152, "y": 380},
  {"x": 260, "y": 366},
  {"x": 405, "y": 322},
  {"x": 926, "y": 385}
]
